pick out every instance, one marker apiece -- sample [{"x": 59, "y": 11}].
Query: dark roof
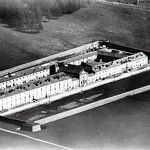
[
  {"x": 24, "y": 72},
  {"x": 75, "y": 70},
  {"x": 72, "y": 69},
  {"x": 80, "y": 56}
]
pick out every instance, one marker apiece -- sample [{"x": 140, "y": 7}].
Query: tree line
[{"x": 27, "y": 15}]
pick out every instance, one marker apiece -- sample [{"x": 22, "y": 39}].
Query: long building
[
  {"x": 23, "y": 76},
  {"x": 36, "y": 83}
]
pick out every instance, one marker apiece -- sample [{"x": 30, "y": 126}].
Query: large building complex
[{"x": 94, "y": 64}]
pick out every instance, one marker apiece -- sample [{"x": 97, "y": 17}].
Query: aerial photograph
[{"x": 74, "y": 74}]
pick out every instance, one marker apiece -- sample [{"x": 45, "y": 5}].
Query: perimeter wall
[{"x": 91, "y": 105}]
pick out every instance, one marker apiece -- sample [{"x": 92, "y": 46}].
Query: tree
[{"x": 32, "y": 18}]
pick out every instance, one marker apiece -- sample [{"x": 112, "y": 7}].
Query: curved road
[
  {"x": 51, "y": 144},
  {"x": 121, "y": 5}
]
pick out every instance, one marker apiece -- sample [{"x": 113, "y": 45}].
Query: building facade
[{"x": 24, "y": 76}]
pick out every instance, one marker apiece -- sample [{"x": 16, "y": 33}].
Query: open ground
[{"x": 120, "y": 25}]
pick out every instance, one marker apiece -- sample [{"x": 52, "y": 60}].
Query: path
[
  {"x": 121, "y": 5},
  {"x": 35, "y": 139}
]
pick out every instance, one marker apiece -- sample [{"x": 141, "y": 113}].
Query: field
[{"x": 98, "y": 21}]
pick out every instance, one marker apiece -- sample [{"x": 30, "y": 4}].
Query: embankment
[
  {"x": 33, "y": 127},
  {"x": 12, "y": 121},
  {"x": 91, "y": 105}
]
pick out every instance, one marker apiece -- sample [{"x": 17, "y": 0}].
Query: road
[
  {"x": 13, "y": 139},
  {"x": 105, "y": 2}
]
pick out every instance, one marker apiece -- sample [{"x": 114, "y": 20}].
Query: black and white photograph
[{"x": 74, "y": 74}]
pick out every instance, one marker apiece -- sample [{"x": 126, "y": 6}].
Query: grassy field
[
  {"x": 117, "y": 24},
  {"x": 12, "y": 55}
]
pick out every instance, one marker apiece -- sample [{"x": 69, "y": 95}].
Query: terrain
[{"x": 121, "y": 25}]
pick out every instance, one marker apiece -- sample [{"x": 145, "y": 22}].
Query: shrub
[{"x": 54, "y": 8}]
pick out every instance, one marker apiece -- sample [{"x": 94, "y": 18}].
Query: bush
[{"x": 55, "y": 8}]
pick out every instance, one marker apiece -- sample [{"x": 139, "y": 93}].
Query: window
[
  {"x": 54, "y": 87},
  {"x": 59, "y": 85}
]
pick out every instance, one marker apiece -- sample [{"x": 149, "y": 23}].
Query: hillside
[{"x": 98, "y": 21}]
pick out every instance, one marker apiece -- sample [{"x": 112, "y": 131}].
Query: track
[
  {"x": 35, "y": 139},
  {"x": 105, "y": 2}
]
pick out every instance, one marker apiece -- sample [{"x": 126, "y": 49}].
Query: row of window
[
  {"x": 35, "y": 94},
  {"x": 78, "y": 62},
  {"x": 24, "y": 79}
]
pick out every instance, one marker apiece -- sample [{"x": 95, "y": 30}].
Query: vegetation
[
  {"x": 26, "y": 15},
  {"x": 57, "y": 8},
  {"x": 19, "y": 15}
]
